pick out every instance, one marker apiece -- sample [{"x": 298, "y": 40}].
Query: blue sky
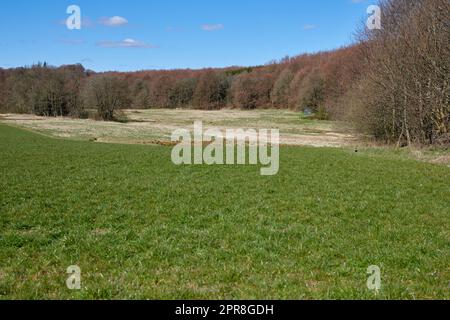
[{"x": 150, "y": 34}]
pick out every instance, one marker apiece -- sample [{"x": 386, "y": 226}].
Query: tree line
[
  {"x": 391, "y": 83},
  {"x": 310, "y": 81}
]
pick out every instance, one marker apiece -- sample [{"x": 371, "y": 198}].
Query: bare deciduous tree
[
  {"x": 405, "y": 93},
  {"x": 108, "y": 94}
]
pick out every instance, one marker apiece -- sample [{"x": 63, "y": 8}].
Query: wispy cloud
[
  {"x": 115, "y": 21},
  {"x": 212, "y": 27},
  {"x": 86, "y": 22},
  {"x": 127, "y": 43},
  {"x": 72, "y": 42},
  {"x": 309, "y": 27},
  {"x": 87, "y": 60},
  {"x": 174, "y": 29}
]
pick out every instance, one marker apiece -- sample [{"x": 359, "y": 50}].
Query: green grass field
[{"x": 141, "y": 228}]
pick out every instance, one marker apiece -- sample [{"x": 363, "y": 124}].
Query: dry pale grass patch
[{"x": 156, "y": 126}]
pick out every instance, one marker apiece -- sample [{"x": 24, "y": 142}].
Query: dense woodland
[{"x": 393, "y": 83}]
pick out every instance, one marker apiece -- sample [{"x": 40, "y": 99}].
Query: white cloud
[
  {"x": 126, "y": 43},
  {"x": 212, "y": 27},
  {"x": 115, "y": 21}
]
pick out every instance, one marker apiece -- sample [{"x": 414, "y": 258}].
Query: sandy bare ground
[{"x": 150, "y": 126}]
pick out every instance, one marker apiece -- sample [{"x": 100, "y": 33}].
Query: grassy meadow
[{"x": 140, "y": 227}]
